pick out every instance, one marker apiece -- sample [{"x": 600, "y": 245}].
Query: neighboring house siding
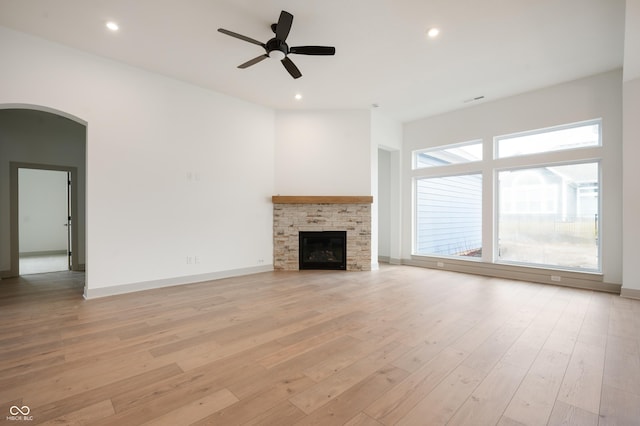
[{"x": 449, "y": 215}]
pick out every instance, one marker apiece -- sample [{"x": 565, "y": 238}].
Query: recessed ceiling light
[
  {"x": 298, "y": 96},
  {"x": 112, "y": 26},
  {"x": 433, "y": 32}
]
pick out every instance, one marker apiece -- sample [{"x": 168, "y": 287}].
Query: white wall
[
  {"x": 631, "y": 197},
  {"x": 631, "y": 106},
  {"x": 323, "y": 152},
  {"x": 593, "y": 97},
  {"x": 43, "y": 210},
  {"x": 632, "y": 40},
  {"x": 386, "y": 132},
  {"x": 174, "y": 171}
]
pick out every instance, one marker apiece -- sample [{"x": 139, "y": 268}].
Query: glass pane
[
  {"x": 454, "y": 154},
  {"x": 549, "y": 216},
  {"x": 449, "y": 216},
  {"x": 549, "y": 140}
]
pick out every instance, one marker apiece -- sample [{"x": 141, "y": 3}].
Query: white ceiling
[{"x": 490, "y": 48}]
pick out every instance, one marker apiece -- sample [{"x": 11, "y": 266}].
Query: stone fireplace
[{"x": 295, "y": 214}]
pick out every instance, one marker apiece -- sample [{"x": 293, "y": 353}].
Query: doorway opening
[
  {"x": 43, "y": 207},
  {"x": 45, "y": 232}
]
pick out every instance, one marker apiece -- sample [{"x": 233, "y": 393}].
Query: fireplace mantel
[{"x": 330, "y": 199}]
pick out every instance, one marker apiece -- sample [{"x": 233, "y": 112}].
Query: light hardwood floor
[{"x": 398, "y": 346}]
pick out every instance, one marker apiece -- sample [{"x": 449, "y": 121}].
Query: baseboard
[
  {"x": 94, "y": 293},
  {"x": 389, "y": 260},
  {"x": 573, "y": 279},
  {"x": 42, "y": 253},
  {"x": 630, "y": 293}
]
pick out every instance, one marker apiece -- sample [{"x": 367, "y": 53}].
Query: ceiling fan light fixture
[{"x": 277, "y": 54}]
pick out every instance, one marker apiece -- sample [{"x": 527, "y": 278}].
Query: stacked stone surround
[{"x": 290, "y": 219}]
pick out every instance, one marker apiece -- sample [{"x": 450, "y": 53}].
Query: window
[
  {"x": 549, "y": 216},
  {"x": 449, "y": 215},
  {"x": 560, "y": 138},
  {"x": 450, "y": 154},
  {"x": 545, "y": 199}
]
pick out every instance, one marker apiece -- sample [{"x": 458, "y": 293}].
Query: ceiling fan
[{"x": 277, "y": 47}]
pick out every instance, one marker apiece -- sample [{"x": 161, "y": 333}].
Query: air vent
[{"x": 477, "y": 98}]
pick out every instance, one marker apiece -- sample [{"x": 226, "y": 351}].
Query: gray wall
[{"x": 384, "y": 204}]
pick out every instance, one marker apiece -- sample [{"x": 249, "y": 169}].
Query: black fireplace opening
[{"x": 323, "y": 250}]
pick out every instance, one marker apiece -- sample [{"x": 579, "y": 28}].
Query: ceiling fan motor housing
[{"x": 277, "y": 49}]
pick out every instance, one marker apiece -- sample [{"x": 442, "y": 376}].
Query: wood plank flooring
[{"x": 398, "y": 346}]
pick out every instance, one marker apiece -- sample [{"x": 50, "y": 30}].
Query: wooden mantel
[{"x": 330, "y": 199}]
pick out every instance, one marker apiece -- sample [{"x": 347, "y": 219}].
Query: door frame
[{"x": 14, "y": 213}]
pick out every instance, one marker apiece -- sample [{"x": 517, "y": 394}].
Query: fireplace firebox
[{"x": 323, "y": 250}]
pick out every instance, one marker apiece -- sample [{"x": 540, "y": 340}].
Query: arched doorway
[{"x": 39, "y": 138}]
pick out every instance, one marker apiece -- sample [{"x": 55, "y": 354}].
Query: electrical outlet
[
  {"x": 440, "y": 264},
  {"x": 556, "y": 278},
  {"x": 196, "y": 260},
  {"x": 189, "y": 260},
  {"x": 260, "y": 261}
]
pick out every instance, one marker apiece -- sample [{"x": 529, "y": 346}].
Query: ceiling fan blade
[
  {"x": 313, "y": 50},
  {"x": 284, "y": 25},
  {"x": 253, "y": 61},
  {"x": 291, "y": 67},
  {"x": 240, "y": 36}
]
